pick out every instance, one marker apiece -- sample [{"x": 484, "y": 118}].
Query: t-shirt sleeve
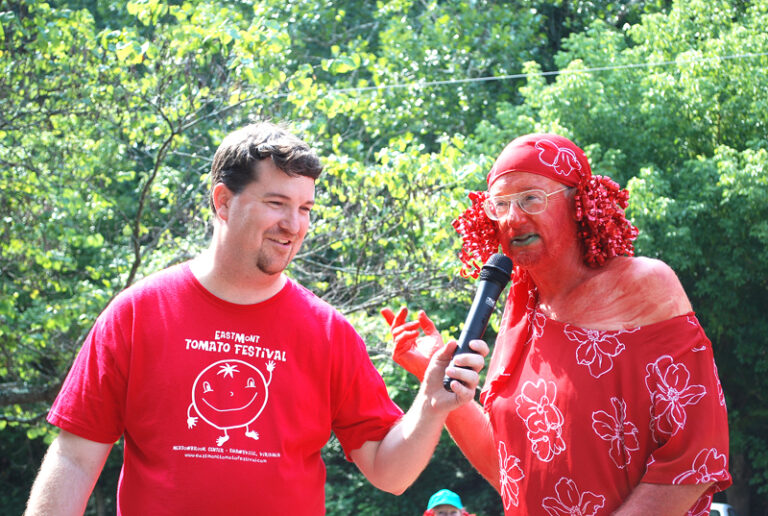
[
  {"x": 92, "y": 399},
  {"x": 688, "y": 417},
  {"x": 363, "y": 410}
]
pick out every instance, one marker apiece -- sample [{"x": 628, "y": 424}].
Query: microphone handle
[{"x": 477, "y": 320}]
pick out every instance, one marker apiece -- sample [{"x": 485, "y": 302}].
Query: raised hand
[{"x": 415, "y": 341}]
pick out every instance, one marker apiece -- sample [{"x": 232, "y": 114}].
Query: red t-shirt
[
  {"x": 224, "y": 408},
  {"x": 583, "y": 416}
]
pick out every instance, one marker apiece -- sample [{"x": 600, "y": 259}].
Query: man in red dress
[{"x": 602, "y": 395}]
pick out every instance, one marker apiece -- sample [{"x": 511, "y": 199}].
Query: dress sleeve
[{"x": 688, "y": 414}]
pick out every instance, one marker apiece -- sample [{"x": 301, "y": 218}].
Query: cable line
[{"x": 423, "y": 84}]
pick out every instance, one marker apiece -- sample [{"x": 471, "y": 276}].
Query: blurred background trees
[{"x": 110, "y": 113}]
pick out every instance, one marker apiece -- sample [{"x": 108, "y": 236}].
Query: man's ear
[{"x": 222, "y": 197}]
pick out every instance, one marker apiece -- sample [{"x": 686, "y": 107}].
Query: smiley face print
[{"x": 229, "y": 394}]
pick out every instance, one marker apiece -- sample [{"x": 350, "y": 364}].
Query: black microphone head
[{"x": 498, "y": 269}]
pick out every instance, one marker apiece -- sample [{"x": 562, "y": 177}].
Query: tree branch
[{"x": 21, "y": 394}]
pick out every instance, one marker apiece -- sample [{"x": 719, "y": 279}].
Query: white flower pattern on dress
[
  {"x": 720, "y": 393},
  {"x": 510, "y": 474},
  {"x": 669, "y": 386},
  {"x": 569, "y": 502},
  {"x": 538, "y": 321},
  {"x": 536, "y": 407},
  {"x": 597, "y": 349},
  {"x": 620, "y": 433},
  {"x": 708, "y": 466},
  {"x": 701, "y": 346}
]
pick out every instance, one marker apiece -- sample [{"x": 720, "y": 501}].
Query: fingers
[
  {"x": 445, "y": 353},
  {"x": 392, "y": 319},
  {"x": 465, "y": 367},
  {"x": 402, "y": 314},
  {"x": 474, "y": 361},
  {"x": 404, "y": 340},
  {"x": 469, "y": 361},
  {"x": 462, "y": 380},
  {"x": 402, "y": 332},
  {"x": 462, "y": 372},
  {"x": 388, "y": 315},
  {"x": 479, "y": 346},
  {"x": 407, "y": 336},
  {"x": 409, "y": 327},
  {"x": 427, "y": 326}
]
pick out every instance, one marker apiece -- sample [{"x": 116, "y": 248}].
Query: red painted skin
[{"x": 626, "y": 292}]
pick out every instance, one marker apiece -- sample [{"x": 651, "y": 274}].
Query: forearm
[
  {"x": 470, "y": 428},
  {"x": 66, "y": 477},
  {"x": 403, "y": 454},
  {"x": 661, "y": 499},
  {"x": 395, "y": 462},
  {"x": 60, "y": 488}
]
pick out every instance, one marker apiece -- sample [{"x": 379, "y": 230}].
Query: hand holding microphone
[{"x": 494, "y": 277}]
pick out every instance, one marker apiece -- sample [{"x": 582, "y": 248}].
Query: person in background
[
  {"x": 602, "y": 395},
  {"x": 445, "y": 503},
  {"x": 226, "y": 378}
]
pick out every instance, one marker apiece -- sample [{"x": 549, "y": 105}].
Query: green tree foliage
[
  {"x": 105, "y": 138},
  {"x": 110, "y": 113},
  {"x": 709, "y": 220}
]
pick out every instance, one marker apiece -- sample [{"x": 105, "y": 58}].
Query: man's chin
[
  {"x": 521, "y": 257},
  {"x": 270, "y": 272},
  {"x": 273, "y": 267}
]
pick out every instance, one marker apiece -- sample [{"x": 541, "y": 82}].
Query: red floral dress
[{"x": 581, "y": 416}]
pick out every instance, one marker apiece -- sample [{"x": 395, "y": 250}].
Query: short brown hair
[{"x": 236, "y": 159}]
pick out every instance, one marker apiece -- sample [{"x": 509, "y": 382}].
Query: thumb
[{"x": 445, "y": 353}]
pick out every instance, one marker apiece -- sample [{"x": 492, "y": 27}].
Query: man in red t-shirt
[{"x": 226, "y": 378}]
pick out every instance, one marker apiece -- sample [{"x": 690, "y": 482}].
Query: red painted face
[
  {"x": 229, "y": 394},
  {"x": 543, "y": 239}
]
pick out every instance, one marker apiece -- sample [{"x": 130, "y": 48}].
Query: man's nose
[
  {"x": 291, "y": 220},
  {"x": 514, "y": 214}
]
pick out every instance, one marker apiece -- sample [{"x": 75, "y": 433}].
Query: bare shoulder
[
  {"x": 652, "y": 275},
  {"x": 654, "y": 287},
  {"x": 627, "y": 292}
]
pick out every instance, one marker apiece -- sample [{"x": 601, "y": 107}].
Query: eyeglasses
[{"x": 530, "y": 201}]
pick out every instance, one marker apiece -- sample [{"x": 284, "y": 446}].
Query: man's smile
[{"x": 280, "y": 240}]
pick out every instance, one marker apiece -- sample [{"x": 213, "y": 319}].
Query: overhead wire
[{"x": 422, "y": 84}]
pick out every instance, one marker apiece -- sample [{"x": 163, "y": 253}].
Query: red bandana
[{"x": 548, "y": 155}]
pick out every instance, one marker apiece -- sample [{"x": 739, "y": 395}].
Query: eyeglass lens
[{"x": 531, "y": 202}]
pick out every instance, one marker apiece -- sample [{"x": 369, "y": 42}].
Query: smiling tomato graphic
[{"x": 230, "y": 394}]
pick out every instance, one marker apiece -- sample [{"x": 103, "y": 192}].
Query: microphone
[{"x": 494, "y": 277}]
